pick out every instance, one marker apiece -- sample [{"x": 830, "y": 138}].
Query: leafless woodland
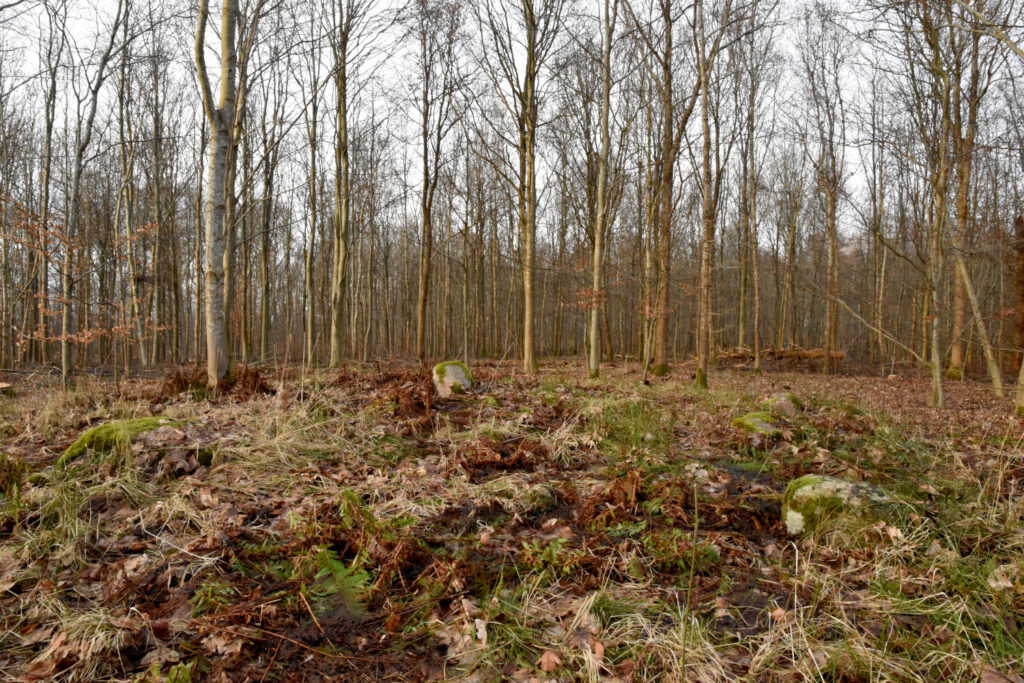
[{"x": 658, "y": 180}]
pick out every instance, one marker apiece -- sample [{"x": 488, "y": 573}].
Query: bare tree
[
  {"x": 659, "y": 62},
  {"x": 707, "y": 47},
  {"x": 435, "y": 25},
  {"x": 518, "y": 39},
  {"x": 220, "y": 116},
  {"x": 350, "y": 20},
  {"x": 608, "y": 17},
  {"x": 824, "y": 59},
  {"x": 87, "y": 103}
]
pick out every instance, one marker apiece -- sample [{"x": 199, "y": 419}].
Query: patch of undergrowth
[
  {"x": 359, "y": 531},
  {"x": 630, "y": 423}
]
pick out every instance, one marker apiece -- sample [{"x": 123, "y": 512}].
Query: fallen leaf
[
  {"x": 223, "y": 644},
  {"x": 37, "y": 635},
  {"x": 998, "y": 580},
  {"x": 990, "y": 675},
  {"x": 549, "y": 661},
  {"x": 159, "y": 656}
]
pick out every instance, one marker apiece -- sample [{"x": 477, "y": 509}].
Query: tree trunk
[
  {"x": 220, "y": 118},
  {"x": 342, "y": 209},
  {"x": 667, "y": 166},
  {"x": 601, "y": 218}
]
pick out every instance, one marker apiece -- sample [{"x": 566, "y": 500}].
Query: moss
[
  {"x": 753, "y": 466},
  {"x": 700, "y": 380},
  {"x": 759, "y": 422},
  {"x": 106, "y": 437},
  {"x": 441, "y": 371},
  {"x": 659, "y": 369},
  {"x": 12, "y": 470}
]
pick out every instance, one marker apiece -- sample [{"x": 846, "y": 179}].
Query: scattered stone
[
  {"x": 759, "y": 422},
  {"x": 106, "y": 437},
  {"x": 813, "y": 498},
  {"x": 782, "y": 405},
  {"x": 452, "y": 377}
]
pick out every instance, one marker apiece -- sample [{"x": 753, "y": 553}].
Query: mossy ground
[{"x": 353, "y": 531}]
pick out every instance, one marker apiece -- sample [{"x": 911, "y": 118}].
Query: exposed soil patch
[{"x": 486, "y": 457}]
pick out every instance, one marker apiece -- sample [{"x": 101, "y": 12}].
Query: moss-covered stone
[
  {"x": 814, "y": 498},
  {"x": 105, "y": 437},
  {"x": 452, "y": 377},
  {"x": 758, "y": 422},
  {"x": 782, "y": 405}
]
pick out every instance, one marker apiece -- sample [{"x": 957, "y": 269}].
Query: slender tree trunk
[
  {"x": 341, "y": 209},
  {"x": 986, "y": 347},
  {"x": 1018, "y": 334},
  {"x": 426, "y": 233},
  {"x": 755, "y": 248},
  {"x": 268, "y": 208},
  {"x": 220, "y": 118},
  {"x": 708, "y": 234},
  {"x": 528, "y": 126},
  {"x": 667, "y": 166},
  {"x": 83, "y": 138},
  {"x": 308, "y": 274},
  {"x": 601, "y": 222},
  {"x": 197, "y": 254},
  {"x": 832, "y": 286}
]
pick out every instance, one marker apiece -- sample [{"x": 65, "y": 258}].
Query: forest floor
[{"x": 350, "y": 525}]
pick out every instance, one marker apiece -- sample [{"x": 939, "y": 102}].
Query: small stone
[
  {"x": 782, "y": 405},
  {"x": 452, "y": 377},
  {"x": 759, "y": 422}
]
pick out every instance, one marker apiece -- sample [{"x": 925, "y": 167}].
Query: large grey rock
[
  {"x": 452, "y": 377},
  {"x": 814, "y": 498}
]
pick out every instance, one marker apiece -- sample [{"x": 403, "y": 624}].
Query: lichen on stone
[
  {"x": 759, "y": 422},
  {"x": 105, "y": 437},
  {"x": 448, "y": 385},
  {"x": 812, "y": 498}
]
